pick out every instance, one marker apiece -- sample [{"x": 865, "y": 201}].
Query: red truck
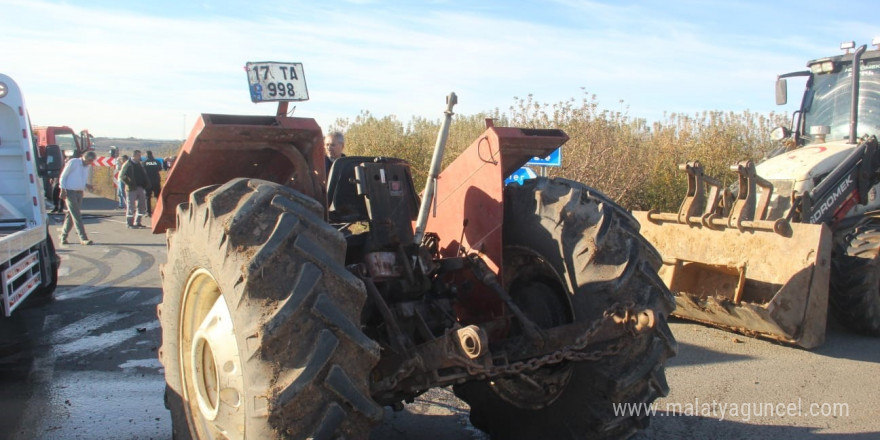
[
  {"x": 68, "y": 141},
  {"x": 63, "y": 136}
]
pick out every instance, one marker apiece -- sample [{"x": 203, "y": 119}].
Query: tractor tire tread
[
  {"x": 294, "y": 303},
  {"x": 606, "y": 261},
  {"x": 854, "y": 297}
]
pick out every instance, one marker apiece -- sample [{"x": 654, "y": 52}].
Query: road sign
[
  {"x": 104, "y": 161},
  {"x": 521, "y": 175},
  {"x": 553, "y": 160}
]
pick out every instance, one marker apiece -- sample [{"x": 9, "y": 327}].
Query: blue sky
[{"x": 146, "y": 69}]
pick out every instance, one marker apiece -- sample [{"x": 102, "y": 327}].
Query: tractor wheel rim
[{"x": 210, "y": 361}]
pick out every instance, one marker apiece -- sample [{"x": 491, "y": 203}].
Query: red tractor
[{"x": 539, "y": 303}]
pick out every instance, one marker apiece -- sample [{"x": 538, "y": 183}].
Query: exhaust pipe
[
  {"x": 854, "y": 109},
  {"x": 436, "y": 161}
]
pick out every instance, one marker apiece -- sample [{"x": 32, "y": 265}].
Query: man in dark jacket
[
  {"x": 136, "y": 183},
  {"x": 152, "y": 166}
]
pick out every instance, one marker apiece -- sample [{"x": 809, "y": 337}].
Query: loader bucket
[{"x": 750, "y": 280}]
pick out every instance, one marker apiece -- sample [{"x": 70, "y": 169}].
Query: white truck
[{"x": 28, "y": 262}]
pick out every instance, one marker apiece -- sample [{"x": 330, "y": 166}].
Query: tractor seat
[{"x": 345, "y": 205}]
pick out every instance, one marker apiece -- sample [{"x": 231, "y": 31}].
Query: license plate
[{"x": 274, "y": 81}]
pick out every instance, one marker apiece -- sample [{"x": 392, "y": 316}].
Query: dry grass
[
  {"x": 633, "y": 162},
  {"x": 102, "y": 181}
]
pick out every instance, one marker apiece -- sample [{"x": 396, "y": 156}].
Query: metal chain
[
  {"x": 572, "y": 352},
  {"x": 403, "y": 372}
]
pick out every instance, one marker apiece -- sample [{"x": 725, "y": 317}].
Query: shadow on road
[
  {"x": 94, "y": 202},
  {"x": 406, "y": 425},
  {"x": 668, "y": 425},
  {"x": 16, "y": 348},
  {"x": 16, "y": 358},
  {"x": 840, "y": 343},
  {"x": 694, "y": 355}
]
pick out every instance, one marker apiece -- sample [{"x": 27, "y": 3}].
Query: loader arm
[{"x": 847, "y": 185}]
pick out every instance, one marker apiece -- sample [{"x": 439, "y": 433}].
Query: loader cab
[{"x": 827, "y": 105}]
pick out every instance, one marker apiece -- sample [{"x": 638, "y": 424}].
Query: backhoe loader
[{"x": 799, "y": 232}]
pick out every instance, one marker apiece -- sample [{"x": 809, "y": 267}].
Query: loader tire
[
  {"x": 569, "y": 254},
  {"x": 855, "y": 279},
  {"x": 260, "y": 320}
]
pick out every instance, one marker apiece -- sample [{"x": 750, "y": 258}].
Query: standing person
[
  {"x": 152, "y": 166},
  {"x": 136, "y": 184},
  {"x": 120, "y": 187},
  {"x": 74, "y": 180},
  {"x": 334, "y": 143}
]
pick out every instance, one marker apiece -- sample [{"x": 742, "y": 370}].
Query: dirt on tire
[
  {"x": 854, "y": 298},
  {"x": 302, "y": 362},
  {"x": 573, "y": 247}
]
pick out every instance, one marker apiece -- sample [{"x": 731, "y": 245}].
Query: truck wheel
[
  {"x": 855, "y": 279},
  {"x": 260, "y": 320},
  {"x": 569, "y": 254},
  {"x": 49, "y": 259}
]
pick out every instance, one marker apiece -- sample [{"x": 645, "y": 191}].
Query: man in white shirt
[{"x": 74, "y": 180}]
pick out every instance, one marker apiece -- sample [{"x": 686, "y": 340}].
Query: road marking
[
  {"x": 50, "y": 322},
  {"x": 128, "y": 296},
  {"x": 43, "y": 367},
  {"x": 131, "y": 364},
  {"x": 83, "y": 327},
  {"x": 98, "y": 343},
  {"x": 97, "y": 283}
]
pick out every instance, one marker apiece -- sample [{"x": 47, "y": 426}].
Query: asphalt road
[{"x": 84, "y": 366}]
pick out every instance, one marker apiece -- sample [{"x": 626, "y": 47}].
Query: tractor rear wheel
[
  {"x": 855, "y": 279},
  {"x": 260, "y": 320},
  {"x": 570, "y": 254}
]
